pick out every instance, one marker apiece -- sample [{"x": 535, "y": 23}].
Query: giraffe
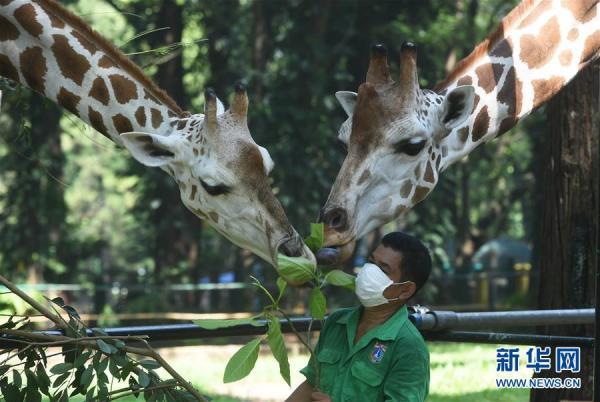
[
  {"x": 221, "y": 172},
  {"x": 400, "y": 137}
]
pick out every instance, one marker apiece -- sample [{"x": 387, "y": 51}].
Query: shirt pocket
[
  {"x": 328, "y": 367},
  {"x": 367, "y": 381}
]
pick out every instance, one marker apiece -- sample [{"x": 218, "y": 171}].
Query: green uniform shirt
[{"x": 389, "y": 363}]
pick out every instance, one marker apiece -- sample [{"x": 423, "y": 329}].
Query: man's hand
[{"x": 318, "y": 396}]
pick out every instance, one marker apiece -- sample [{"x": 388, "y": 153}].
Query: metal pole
[
  {"x": 439, "y": 320},
  {"x": 434, "y": 324},
  {"x": 596, "y": 391}
]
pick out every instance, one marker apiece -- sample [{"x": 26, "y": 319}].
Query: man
[{"x": 373, "y": 352}]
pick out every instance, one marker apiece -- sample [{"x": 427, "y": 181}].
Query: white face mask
[{"x": 371, "y": 281}]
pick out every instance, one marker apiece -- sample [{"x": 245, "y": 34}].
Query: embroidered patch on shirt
[{"x": 378, "y": 352}]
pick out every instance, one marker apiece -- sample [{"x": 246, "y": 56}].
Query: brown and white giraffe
[
  {"x": 221, "y": 172},
  {"x": 401, "y": 137}
]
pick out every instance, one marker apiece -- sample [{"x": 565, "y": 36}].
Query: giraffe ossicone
[
  {"x": 221, "y": 172},
  {"x": 400, "y": 137}
]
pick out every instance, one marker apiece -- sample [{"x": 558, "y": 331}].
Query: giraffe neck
[
  {"x": 57, "y": 54},
  {"x": 538, "y": 48}
]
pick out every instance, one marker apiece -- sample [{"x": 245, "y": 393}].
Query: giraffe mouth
[
  {"x": 336, "y": 254},
  {"x": 291, "y": 246}
]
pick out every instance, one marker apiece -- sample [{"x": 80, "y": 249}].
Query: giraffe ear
[
  {"x": 348, "y": 100},
  {"x": 457, "y": 106},
  {"x": 151, "y": 149}
]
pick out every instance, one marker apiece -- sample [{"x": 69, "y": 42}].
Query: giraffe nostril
[{"x": 336, "y": 218}]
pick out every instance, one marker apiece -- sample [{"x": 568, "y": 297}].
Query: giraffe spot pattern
[
  {"x": 7, "y": 69},
  {"x": 420, "y": 194},
  {"x": 583, "y": 10},
  {"x": 466, "y": 80},
  {"x": 122, "y": 124},
  {"x": 511, "y": 93},
  {"x": 429, "y": 173},
  {"x": 72, "y": 64},
  {"x": 68, "y": 100},
  {"x": 406, "y": 189},
  {"x": 488, "y": 75},
  {"x": 193, "y": 193},
  {"x": 573, "y": 34},
  {"x": 544, "y": 89},
  {"x": 214, "y": 217},
  {"x": 26, "y": 16},
  {"x": 84, "y": 42},
  {"x": 140, "y": 116},
  {"x": 157, "y": 118},
  {"x": 99, "y": 91},
  {"x": 33, "y": 68},
  {"x": 5, "y": 2},
  {"x": 105, "y": 62},
  {"x": 536, "y": 13},
  {"x": 502, "y": 49},
  {"x": 7, "y": 30},
  {"x": 124, "y": 89},
  {"x": 565, "y": 57},
  {"x": 463, "y": 134},
  {"x": 54, "y": 20},
  {"x": 481, "y": 124},
  {"x": 591, "y": 47},
  {"x": 96, "y": 121},
  {"x": 538, "y": 50}
]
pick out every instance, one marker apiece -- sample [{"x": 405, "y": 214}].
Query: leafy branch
[
  {"x": 86, "y": 358},
  {"x": 292, "y": 270}
]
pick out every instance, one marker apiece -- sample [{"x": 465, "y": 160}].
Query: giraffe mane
[
  {"x": 116, "y": 55},
  {"x": 488, "y": 44}
]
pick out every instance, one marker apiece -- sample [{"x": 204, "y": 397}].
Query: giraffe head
[
  {"x": 223, "y": 176},
  {"x": 393, "y": 137}
]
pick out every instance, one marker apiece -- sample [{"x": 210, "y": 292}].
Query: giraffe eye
[
  {"x": 219, "y": 189},
  {"x": 410, "y": 146}
]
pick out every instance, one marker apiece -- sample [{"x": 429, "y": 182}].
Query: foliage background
[{"x": 76, "y": 209}]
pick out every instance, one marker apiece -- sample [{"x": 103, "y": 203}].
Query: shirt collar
[{"x": 387, "y": 331}]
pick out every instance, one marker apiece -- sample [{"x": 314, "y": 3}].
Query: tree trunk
[{"x": 569, "y": 224}]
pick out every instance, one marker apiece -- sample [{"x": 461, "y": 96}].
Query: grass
[{"x": 459, "y": 373}]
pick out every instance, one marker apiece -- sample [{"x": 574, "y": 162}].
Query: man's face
[{"x": 390, "y": 262}]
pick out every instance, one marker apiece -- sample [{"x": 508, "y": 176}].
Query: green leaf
[
  {"x": 61, "y": 368},
  {"x": 214, "y": 324},
  {"x": 295, "y": 269},
  {"x": 11, "y": 393},
  {"x": 17, "y": 379},
  {"x": 281, "y": 285},
  {"x": 143, "y": 378},
  {"x": 58, "y": 301},
  {"x": 105, "y": 347},
  {"x": 242, "y": 362},
  {"x": 42, "y": 378},
  {"x": 87, "y": 376},
  {"x": 338, "y": 277},
  {"x": 60, "y": 379},
  {"x": 277, "y": 346},
  {"x": 150, "y": 364},
  {"x": 81, "y": 359},
  {"x": 314, "y": 241},
  {"x": 317, "y": 304}
]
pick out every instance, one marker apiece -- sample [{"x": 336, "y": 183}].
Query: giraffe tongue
[
  {"x": 335, "y": 255},
  {"x": 328, "y": 256}
]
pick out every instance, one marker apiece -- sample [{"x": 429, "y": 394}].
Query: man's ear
[
  {"x": 151, "y": 149},
  {"x": 348, "y": 100},
  {"x": 457, "y": 106}
]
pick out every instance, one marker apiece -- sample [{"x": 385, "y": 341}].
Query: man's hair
[{"x": 416, "y": 261}]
